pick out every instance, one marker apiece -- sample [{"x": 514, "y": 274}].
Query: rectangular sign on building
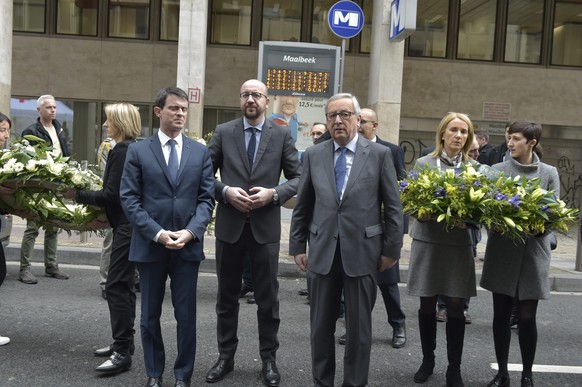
[{"x": 402, "y": 19}]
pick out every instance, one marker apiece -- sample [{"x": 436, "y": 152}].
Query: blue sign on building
[
  {"x": 345, "y": 19},
  {"x": 402, "y": 19}
]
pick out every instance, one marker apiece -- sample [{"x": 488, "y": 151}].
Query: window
[
  {"x": 76, "y": 17},
  {"x": 29, "y": 15},
  {"x": 523, "y": 37},
  {"x": 476, "y": 30},
  {"x": 567, "y": 34},
  {"x": 366, "y": 34},
  {"x": 129, "y": 19},
  {"x": 430, "y": 37},
  {"x": 230, "y": 22},
  {"x": 169, "y": 20},
  {"x": 320, "y": 31},
  {"x": 281, "y": 20},
  {"x": 78, "y": 119},
  {"x": 215, "y": 116}
]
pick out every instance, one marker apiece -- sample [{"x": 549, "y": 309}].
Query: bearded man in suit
[
  {"x": 250, "y": 153},
  {"x": 348, "y": 210}
]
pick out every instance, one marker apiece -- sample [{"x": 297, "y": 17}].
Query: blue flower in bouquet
[
  {"x": 500, "y": 196},
  {"x": 403, "y": 184},
  {"x": 515, "y": 201},
  {"x": 440, "y": 192}
]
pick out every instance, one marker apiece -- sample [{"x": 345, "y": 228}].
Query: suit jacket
[
  {"x": 108, "y": 197},
  {"x": 152, "y": 203},
  {"x": 276, "y": 152},
  {"x": 368, "y": 220},
  {"x": 400, "y": 166},
  {"x": 495, "y": 155}
]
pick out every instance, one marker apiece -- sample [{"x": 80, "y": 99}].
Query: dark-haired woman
[{"x": 519, "y": 270}]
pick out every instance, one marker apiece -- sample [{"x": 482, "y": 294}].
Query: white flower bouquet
[{"x": 40, "y": 177}]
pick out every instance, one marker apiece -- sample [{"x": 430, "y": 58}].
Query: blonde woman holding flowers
[
  {"x": 519, "y": 270},
  {"x": 441, "y": 259},
  {"x": 123, "y": 125}
]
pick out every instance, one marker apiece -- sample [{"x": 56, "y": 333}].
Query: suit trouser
[
  {"x": 50, "y": 245},
  {"x": 388, "y": 285},
  {"x": 183, "y": 282},
  {"x": 325, "y": 294},
  {"x": 120, "y": 290},
  {"x": 264, "y": 260}
]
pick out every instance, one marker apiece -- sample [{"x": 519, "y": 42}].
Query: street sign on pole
[{"x": 345, "y": 19}]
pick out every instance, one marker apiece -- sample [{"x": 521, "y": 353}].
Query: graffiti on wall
[
  {"x": 412, "y": 149},
  {"x": 570, "y": 184}
]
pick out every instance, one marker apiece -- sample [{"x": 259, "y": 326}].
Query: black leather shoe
[
  {"x": 303, "y": 292},
  {"x": 219, "y": 370},
  {"x": 399, "y": 337},
  {"x": 500, "y": 380},
  {"x": 154, "y": 382},
  {"x": 246, "y": 289},
  {"x": 526, "y": 381},
  {"x": 342, "y": 340},
  {"x": 116, "y": 363},
  {"x": 108, "y": 351},
  {"x": 182, "y": 383},
  {"x": 270, "y": 374}
]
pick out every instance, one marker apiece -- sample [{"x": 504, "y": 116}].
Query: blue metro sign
[{"x": 345, "y": 19}]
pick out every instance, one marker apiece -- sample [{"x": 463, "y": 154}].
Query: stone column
[
  {"x": 5, "y": 56},
  {"x": 386, "y": 67},
  {"x": 192, "y": 59}
]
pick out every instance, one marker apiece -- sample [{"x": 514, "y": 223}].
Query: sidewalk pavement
[{"x": 85, "y": 250}]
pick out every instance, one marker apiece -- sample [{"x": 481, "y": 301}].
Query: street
[{"x": 55, "y": 326}]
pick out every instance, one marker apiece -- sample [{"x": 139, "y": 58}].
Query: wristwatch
[{"x": 275, "y": 196}]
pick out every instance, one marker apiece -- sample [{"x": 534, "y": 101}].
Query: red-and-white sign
[{"x": 194, "y": 95}]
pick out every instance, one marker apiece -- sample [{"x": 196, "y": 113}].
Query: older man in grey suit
[
  {"x": 250, "y": 153},
  {"x": 348, "y": 210}
]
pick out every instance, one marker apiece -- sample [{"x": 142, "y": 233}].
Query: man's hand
[
  {"x": 301, "y": 261},
  {"x": 69, "y": 193},
  {"x": 239, "y": 199},
  {"x": 261, "y": 197},
  {"x": 175, "y": 240},
  {"x": 385, "y": 263}
]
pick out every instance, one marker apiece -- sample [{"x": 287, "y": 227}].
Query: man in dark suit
[
  {"x": 482, "y": 137},
  {"x": 250, "y": 153},
  {"x": 499, "y": 153},
  {"x": 388, "y": 279},
  {"x": 348, "y": 210},
  {"x": 167, "y": 193}
]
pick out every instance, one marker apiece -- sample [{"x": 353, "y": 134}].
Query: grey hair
[
  {"x": 344, "y": 96},
  {"x": 41, "y": 99}
]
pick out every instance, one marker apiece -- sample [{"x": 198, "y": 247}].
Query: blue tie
[
  {"x": 340, "y": 171},
  {"x": 252, "y": 146},
  {"x": 173, "y": 165}
]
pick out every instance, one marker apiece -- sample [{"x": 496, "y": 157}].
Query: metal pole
[
  {"x": 83, "y": 234},
  {"x": 579, "y": 244},
  {"x": 342, "y": 63}
]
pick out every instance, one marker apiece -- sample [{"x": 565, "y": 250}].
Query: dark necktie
[
  {"x": 340, "y": 172},
  {"x": 173, "y": 161},
  {"x": 252, "y": 146}
]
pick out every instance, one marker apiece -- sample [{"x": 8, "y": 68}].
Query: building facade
[{"x": 498, "y": 61}]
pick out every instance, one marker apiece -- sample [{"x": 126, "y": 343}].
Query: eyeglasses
[
  {"x": 255, "y": 95},
  {"x": 343, "y": 115},
  {"x": 363, "y": 122}
]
